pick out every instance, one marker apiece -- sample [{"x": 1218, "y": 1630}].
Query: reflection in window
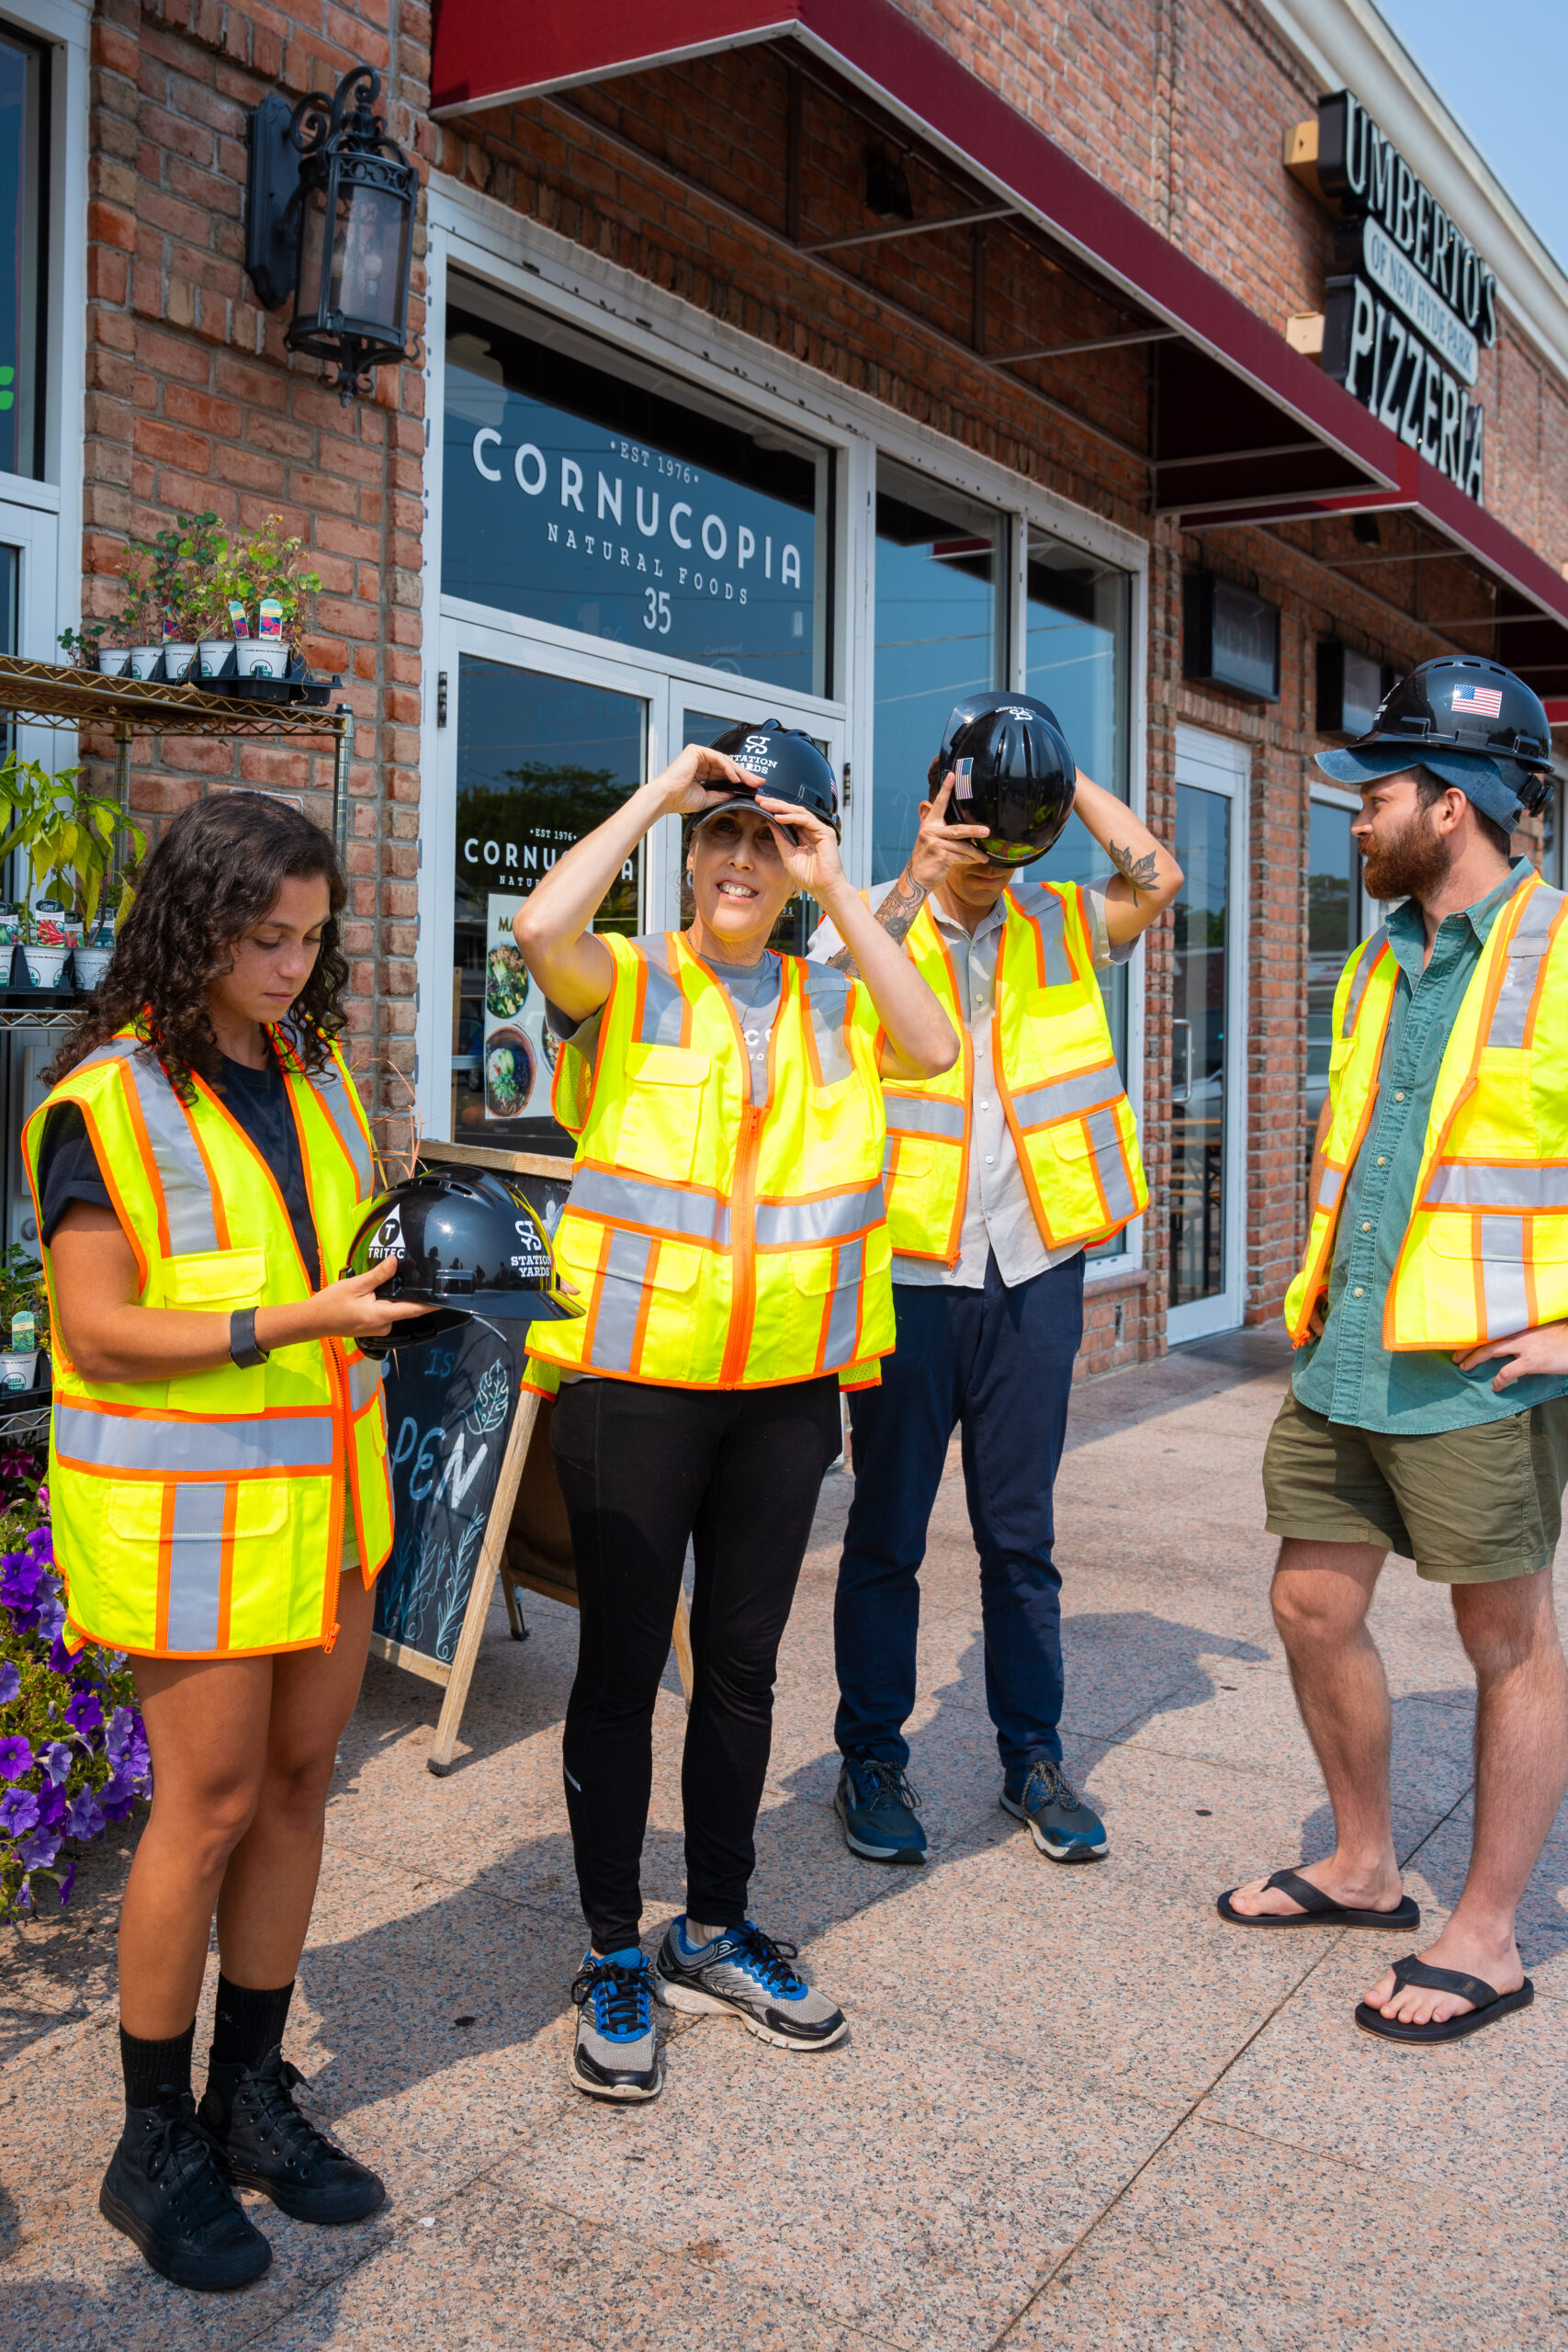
[
  {"x": 584, "y": 488},
  {"x": 22, "y": 75},
  {"x": 541, "y": 761},
  {"x": 940, "y": 634},
  {"x": 1333, "y": 925},
  {"x": 1200, "y": 1008},
  {"x": 1551, "y": 838}
]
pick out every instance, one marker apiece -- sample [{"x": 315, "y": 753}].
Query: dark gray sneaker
[
  {"x": 165, "y": 2189},
  {"x": 263, "y": 2141},
  {"x": 745, "y": 1973},
  {"x": 616, "y": 2053},
  {"x": 876, "y": 1808},
  {"x": 1058, "y": 1820}
]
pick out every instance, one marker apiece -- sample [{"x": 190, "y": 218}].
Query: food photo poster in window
[{"x": 584, "y": 489}]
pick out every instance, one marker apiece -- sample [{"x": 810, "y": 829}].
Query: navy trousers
[{"x": 997, "y": 1365}]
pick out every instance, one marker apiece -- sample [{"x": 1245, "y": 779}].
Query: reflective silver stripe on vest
[
  {"x": 828, "y": 1002},
  {"x": 196, "y": 1566},
  {"x": 1527, "y": 945},
  {"x": 663, "y": 1006},
  {"x": 1119, "y": 1195},
  {"x": 924, "y": 1114},
  {"x": 1474, "y": 1185},
  {"x": 1502, "y": 1276},
  {"x": 1065, "y": 1097},
  {"x": 218, "y": 1448},
  {"x": 793, "y": 1224},
  {"x": 365, "y": 1377},
  {"x": 671, "y": 1209},
  {"x": 620, "y": 1301},
  {"x": 843, "y": 1317},
  {"x": 1363, "y": 973},
  {"x": 182, "y": 1175},
  {"x": 332, "y": 1095},
  {"x": 1330, "y": 1186},
  {"x": 1044, "y": 910}
]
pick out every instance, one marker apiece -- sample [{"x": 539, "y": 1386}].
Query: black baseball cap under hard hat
[
  {"x": 1473, "y": 723},
  {"x": 787, "y": 766}
]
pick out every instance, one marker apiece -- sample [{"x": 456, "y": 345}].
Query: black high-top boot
[
  {"x": 165, "y": 2189},
  {"x": 263, "y": 2142}
]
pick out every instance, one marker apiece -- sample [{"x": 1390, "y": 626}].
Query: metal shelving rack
[{"x": 45, "y": 695}]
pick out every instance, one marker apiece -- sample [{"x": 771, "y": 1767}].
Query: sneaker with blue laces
[
  {"x": 745, "y": 1973},
  {"x": 616, "y": 2053},
  {"x": 1058, "y": 1820},
  {"x": 877, "y": 1809}
]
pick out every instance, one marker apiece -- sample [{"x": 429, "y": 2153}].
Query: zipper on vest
[{"x": 743, "y": 1247}]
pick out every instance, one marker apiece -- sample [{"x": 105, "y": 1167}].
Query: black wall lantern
[{"x": 330, "y": 220}]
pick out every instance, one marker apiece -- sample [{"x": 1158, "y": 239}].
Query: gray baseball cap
[{"x": 1481, "y": 780}]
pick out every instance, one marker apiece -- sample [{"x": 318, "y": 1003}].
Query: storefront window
[
  {"x": 22, "y": 73},
  {"x": 1333, "y": 925},
  {"x": 940, "y": 634},
  {"x": 582, "y": 488},
  {"x": 541, "y": 761}
]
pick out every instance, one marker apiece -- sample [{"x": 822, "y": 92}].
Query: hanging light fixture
[{"x": 331, "y": 220}]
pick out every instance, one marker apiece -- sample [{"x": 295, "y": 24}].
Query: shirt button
[
  {"x": 1383, "y": 1161},
  {"x": 1365, "y": 1224},
  {"x": 984, "y": 1106},
  {"x": 1399, "y": 1098},
  {"x": 1356, "y": 1292},
  {"x": 989, "y": 1161}
]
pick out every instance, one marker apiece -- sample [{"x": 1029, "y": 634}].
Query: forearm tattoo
[
  {"x": 1141, "y": 872},
  {"x": 895, "y": 914}
]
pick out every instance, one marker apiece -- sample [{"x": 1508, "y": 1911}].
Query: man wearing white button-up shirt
[{"x": 987, "y": 1334}]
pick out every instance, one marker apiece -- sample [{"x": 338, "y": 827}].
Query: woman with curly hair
[{"x": 217, "y": 1476}]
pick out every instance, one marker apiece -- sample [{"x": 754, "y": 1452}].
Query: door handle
[{"x": 1181, "y": 1089}]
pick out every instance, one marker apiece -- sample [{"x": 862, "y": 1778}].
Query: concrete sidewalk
[{"x": 1075, "y": 2108}]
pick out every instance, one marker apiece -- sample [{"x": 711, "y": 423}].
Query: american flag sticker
[
  {"x": 962, "y": 787},
  {"x": 1486, "y": 702}
]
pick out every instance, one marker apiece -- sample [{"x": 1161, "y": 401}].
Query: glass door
[
  {"x": 532, "y": 758},
  {"x": 1207, "y": 1283}
]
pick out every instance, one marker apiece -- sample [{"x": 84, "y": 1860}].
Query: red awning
[{"x": 1243, "y": 428}]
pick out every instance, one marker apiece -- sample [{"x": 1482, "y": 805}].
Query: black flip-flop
[
  {"x": 1318, "y": 1910},
  {"x": 1490, "y": 2005}
]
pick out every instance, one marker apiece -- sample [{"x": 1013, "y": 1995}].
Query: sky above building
[{"x": 1501, "y": 70}]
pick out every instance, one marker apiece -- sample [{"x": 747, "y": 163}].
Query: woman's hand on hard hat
[
  {"x": 1540, "y": 1353},
  {"x": 351, "y": 1309},
  {"x": 808, "y": 849},
  {"x": 697, "y": 779}
]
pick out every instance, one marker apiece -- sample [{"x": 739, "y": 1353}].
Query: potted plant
[
  {"x": 45, "y": 945},
  {"x": 139, "y": 625},
  {"x": 80, "y": 645},
  {"x": 264, "y": 577},
  {"x": 68, "y": 835},
  {"x": 184, "y": 559},
  {"x": 21, "y": 1280}
]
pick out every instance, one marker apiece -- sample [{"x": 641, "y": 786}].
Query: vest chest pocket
[
  {"x": 212, "y": 1280},
  {"x": 1076, "y": 1027},
  {"x": 662, "y": 1110}
]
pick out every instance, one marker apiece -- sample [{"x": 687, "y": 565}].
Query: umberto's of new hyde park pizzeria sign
[{"x": 1412, "y": 305}]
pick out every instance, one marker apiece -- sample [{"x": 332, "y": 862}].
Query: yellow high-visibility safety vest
[
  {"x": 718, "y": 1242},
  {"x": 1071, "y": 1122},
  {"x": 1485, "y": 1252},
  {"x": 203, "y": 1516}
]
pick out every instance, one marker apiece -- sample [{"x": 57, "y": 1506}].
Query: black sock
[
  {"x": 247, "y": 2023},
  {"x": 152, "y": 2068}
]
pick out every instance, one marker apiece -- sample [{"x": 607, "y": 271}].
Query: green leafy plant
[
  {"x": 270, "y": 563},
  {"x": 80, "y": 645},
  {"x": 138, "y": 622},
  {"x": 21, "y": 1280},
  {"x": 187, "y": 560},
  {"x": 66, "y": 833}
]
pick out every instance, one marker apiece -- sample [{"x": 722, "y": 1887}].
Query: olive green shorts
[{"x": 1469, "y": 1505}]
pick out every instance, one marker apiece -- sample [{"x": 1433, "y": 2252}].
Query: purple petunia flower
[
  {"x": 117, "y": 1795},
  {"x": 85, "y": 1713},
  {"x": 59, "y": 1657},
  {"x": 68, "y": 1880},
  {"x": 50, "y": 1621},
  {"x": 50, "y": 1806},
  {"x": 10, "y": 1681},
  {"x": 117, "y": 1739},
  {"x": 57, "y": 1760},
  {"x": 16, "y": 1758},
  {"x": 18, "y": 1812},
  {"x": 38, "y": 1851},
  {"x": 19, "y": 1579},
  {"x": 40, "y": 1543},
  {"x": 85, "y": 1818}
]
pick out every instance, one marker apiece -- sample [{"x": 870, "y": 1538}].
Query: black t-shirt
[{"x": 256, "y": 1098}]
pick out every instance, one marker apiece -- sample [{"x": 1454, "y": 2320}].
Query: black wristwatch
[{"x": 243, "y": 1345}]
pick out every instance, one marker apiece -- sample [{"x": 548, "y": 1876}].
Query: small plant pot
[
  {"x": 92, "y": 963},
  {"x": 211, "y": 656},
  {"x": 261, "y": 658},
  {"x": 18, "y": 1371},
  {"x": 114, "y": 660},
  {"x": 177, "y": 660},
  {"x": 143, "y": 660},
  {"x": 46, "y": 966}
]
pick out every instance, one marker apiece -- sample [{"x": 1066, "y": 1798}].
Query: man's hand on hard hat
[
  {"x": 1538, "y": 1354},
  {"x": 942, "y": 854},
  {"x": 919, "y": 1039},
  {"x": 109, "y": 1336}
]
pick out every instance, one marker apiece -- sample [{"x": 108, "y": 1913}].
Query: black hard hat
[
  {"x": 973, "y": 707},
  {"x": 787, "y": 767},
  {"x": 468, "y": 1242},
  {"x": 1471, "y": 722},
  {"x": 1014, "y": 773}
]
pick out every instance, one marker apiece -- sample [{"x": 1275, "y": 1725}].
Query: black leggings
[{"x": 642, "y": 1470}]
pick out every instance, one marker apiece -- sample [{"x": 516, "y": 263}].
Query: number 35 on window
[{"x": 658, "y": 614}]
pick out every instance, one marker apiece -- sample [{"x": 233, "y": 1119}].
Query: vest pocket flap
[
  {"x": 816, "y": 1272},
  {"x": 134, "y": 1510},
  {"x": 211, "y": 1279},
  {"x": 666, "y": 1265},
  {"x": 914, "y": 1155},
  {"x": 667, "y": 1066},
  {"x": 1073, "y": 1140}
]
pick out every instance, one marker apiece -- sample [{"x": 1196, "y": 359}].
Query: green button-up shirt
[{"x": 1348, "y": 1374}]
